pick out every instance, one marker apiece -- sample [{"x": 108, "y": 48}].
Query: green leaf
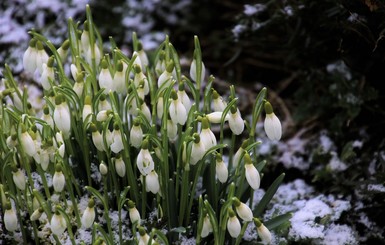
[
  {"x": 278, "y": 220},
  {"x": 268, "y": 196}
]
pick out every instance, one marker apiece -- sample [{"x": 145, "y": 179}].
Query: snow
[
  {"x": 250, "y": 10},
  {"x": 376, "y": 187},
  {"x": 339, "y": 235}
]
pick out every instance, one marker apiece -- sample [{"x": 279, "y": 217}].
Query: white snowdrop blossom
[
  {"x": 172, "y": 130},
  {"x": 58, "y": 180},
  {"x": 85, "y": 38},
  {"x": 236, "y": 122},
  {"x": 186, "y": 102},
  {"x": 233, "y": 225},
  {"x": 177, "y": 111},
  {"x": 238, "y": 153},
  {"x": 41, "y": 57},
  {"x": 198, "y": 150},
  {"x": 119, "y": 80},
  {"x": 194, "y": 70},
  {"x": 136, "y": 134},
  {"x": 263, "y": 232},
  {"x": 252, "y": 174},
  {"x": 46, "y": 116},
  {"x": 97, "y": 138},
  {"x": 103, "y": 169},
  {"x": 29, "y": 57},
  {"x": 159, "y": 107},
  {"x": 11, "y": 141},
  {"x": 243, "y": 211},
  {"x": 215, "y": 117},
  {"x": 133, "y": 213},
  {"x": 117, "y": 142},
  {"x": 137, "y": 60},
  {"x": 272, "y": 124},
  {"x": 166, "y": 77},
  {"x": 89, "y": 56},
  {"x": 144, "y": 238},
  {"x": 160, "y": 64},
  {"x": 27, "y": 143},
  {"x": 140, "y": 77},
  {"x": 120, "y": 166},
  {"x": 144, "y": 160},
  {"x": 103, "y": 115},
  {"x": 58, "y": 224},
  {"x": 105, "y": 78},
  {"x": 221, "y": 169},
  {"x": 10, "y": 218},
  {"x": 145, "y": 110},
  {"x": 87, "y": 108},
  {"x": 63, "y": 50},
  {"x": 18, "y": 178},
  {"x": 88, "y": 216},
  {"x": 206, "y": 135},
  {"x": 218, "y": 104},
  {"x": 47, "y": 76},
  {"x": 37, "y": 214},
  {"x": 142, "y": 55},
  {"x": 61, "y": 115},
  {"x": 74, "y": 71},
  {"x": 152, "y": 182},
  {"x": 207, "y": 227},
  {"x": 104, "y": 104},
  {"x": 78, "y": 86}
]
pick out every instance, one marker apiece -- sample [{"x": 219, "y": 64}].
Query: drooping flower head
[
  {"x": 177, "y": 111},
  {"x": 272, "y": 125},
  {"x": 88, "y": 216},
  {"x": 252, "y": 174},
  {"x": 144, "y": 160},
  {"x": 233, "y": 224},
  {"x": 243, "y": 211},
  {"x": 221, "y": 169}
]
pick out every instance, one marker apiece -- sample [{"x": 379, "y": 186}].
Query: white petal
[
  {"x": 144, "y": 162},
  {"x": 264, "y": 233},
  {"x": 88, "y": 217},
  {"x": 244, "y": 212},
  {"x": 252, "y": 176},
  {"x": 152, "y": 182},
  {"x": 197, "y": 152},
  {"x": 234, "y": 226},
  {"x": 236, "y": 123},
  {"x": 10, "y": 220},
  {"x": 273, "y": 127},
  {"x": 221, "y": 171}
]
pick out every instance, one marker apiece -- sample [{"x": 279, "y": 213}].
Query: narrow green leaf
[{"x": 268, "y": 196}]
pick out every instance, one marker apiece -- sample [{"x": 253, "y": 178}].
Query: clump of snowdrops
[{"x": 128, "y": 135}]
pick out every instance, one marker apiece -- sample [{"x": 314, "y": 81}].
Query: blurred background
[{"x": 322, "y": 61}]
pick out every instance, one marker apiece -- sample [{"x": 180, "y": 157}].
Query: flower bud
[
  {"x": 194, "y": 70},
  {"x": 252, "y": 174},
  {"x": 58, "y": 224},
  {"x": 263, "y": 232},
  {"x": 198, "y": 150},
  {"x": 18, "y": 178},
  {"x": 233, "y": 224},
  {"x": 88, "y": 216},
  {"x": 105, "y": 78},
  {"x": 58, "y": 180},
  {"x": 152, "y": 182},
  {"x": 215, "y": 117},
  {"x": 136, "y": 134},
  {"x": 29, "y": 57},
  {"x": 120, "y": 166},
  {"x": 41, "y": 57},
  {"x": 61, "y": 115},
  {"x": 27, "y": 143},
  {"x": 177, "y": 111},
  {"x": 236, "y": 122},
  {"x": 207, "y": 228},
  {"x": 144, "y": 160},
  {"x": 243, "y": 211},
  {"x": 221, "y": 169},
  {"x": 37, "y": 214},
  {"x": 272, "y": 125},
  {"x": 133, "y": 213},
  {"x": 117, "y": 142},
  {"x": 10, "y": 218},
  {"x": 103, "y": 169},
  {"x": 207, "y": 136}
]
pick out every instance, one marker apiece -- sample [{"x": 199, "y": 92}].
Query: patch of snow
[
  {"x": 250, "y": 10},
  {"x": 238, "y": 30},
  {"x": 336, "y": 164},
  {"x": 326, "y": 143},
  {"x": 376, "y": 187},
  {"x": 339, "y": 235}
]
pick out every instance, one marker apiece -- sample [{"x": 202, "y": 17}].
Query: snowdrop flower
[
  {"x": 166, "y": 76},
  {"x": 144, "y": 160},
  {"x": 117, "y": 144},
  {"x": 29, "y": 57},
  {"x": 144, "y": 238},
  {"x": 238, "y": 154},
  {"x": 215, "y": 117},
  {"x": 37, "y": 214},
  {"x": 61, "y": 115},
  {"x": 41, "y": 57},
  {"x": 145, "y": 110},
  {"x": 89, "y": 56},
  {"x": 243, "y": 211},
  {"x": 136, "y": 134},
  {"x": 104, "y": 104},
  {"x": 63, "y": 50},
  {"x": 194, "y": 70},
  {"x": 233, "y": 224},
  {"x": 137, "y": 60},
  {"x": 78, "y": 86},
  {"x": 27, "y": 143},
  {"x": 119, "y": 84},
  {"x": 18, "y": 178},
  {"x": 159, "y": 106},
  {"x": 47, "y": 117},
  {"x": 272, "y": 124},
  {"x": 105, "y": 78},
  {"x": 235, "y": 121},
  {"x": 58, "y": 223},
  {"x": 74, "y": 71},
  {"x": 218, "y": 103},
  {"x": 103, "y": 169},
  {"x": 206, "y": 135},
  {"x": 85, "y": 38},
  {"x": 152, "y": 182},
  {"x": 263, "y": 232},
  {"x": 12, "y": 141},
  {"x": 87, "y": 108},
  {"x": 139, "y": 77},
  {"x": 142, "y": 55},
  {"x": 198, "y": 149},
  {"x": 60, "y": 143},
  {"x": 88, "y": 216},
  {"x": 10, "y": 218},
  {"x": 184, "y": 97},
  {"x": 97, "y": 137},
  {"x": 160, "y": 65},
  {"x": 252, "y": 174},
  {"x": 172, "y": 130},
  {"x": 177, "y": 111},
  {"x": 47, "y": 75},
  {"x": 133, "y": 213},
  {"x": 120, "y": 166},
  {"x": 103, "y": 115},
  {"x": 221, "y": 169},
  {"x": 207, "y": 228},
  {"x": 58, "y": 180}
]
